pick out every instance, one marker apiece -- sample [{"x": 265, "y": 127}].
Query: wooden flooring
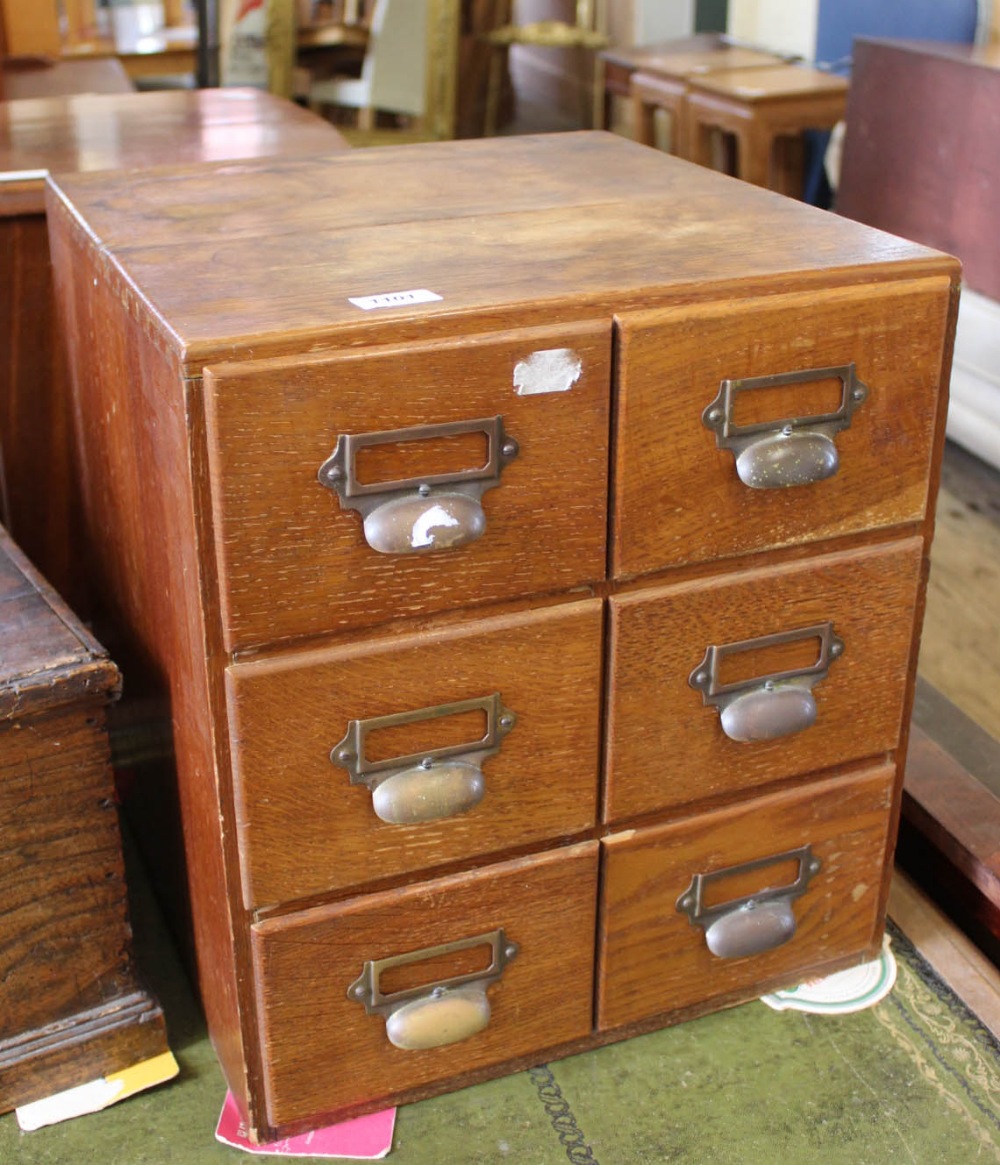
[
  {"x": 956, "y": 959},
  {"x": 960, "y": 656}
]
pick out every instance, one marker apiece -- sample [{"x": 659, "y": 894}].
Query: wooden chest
[
  {"x": 88, "y": 132},
  {"x": 70, "y": 1007},
  {"x": 533, "y": 535}
]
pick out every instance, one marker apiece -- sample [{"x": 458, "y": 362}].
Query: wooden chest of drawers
[
  {"x": 533, "y": 536},
  {"x": 70, "y": 1007}
]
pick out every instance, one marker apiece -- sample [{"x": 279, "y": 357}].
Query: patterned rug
[{"x": 914, "y": 1080}]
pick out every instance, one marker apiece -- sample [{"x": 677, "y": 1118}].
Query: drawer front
[
  {"x": 324, "y": 1052},
  {"x": 817, "y": 904},
  {"x": 301, "y": 450},
  {"x": 832, "y": 637},
  {"x": 692, "y": 505},
  {"x": 324, "y": 804}
]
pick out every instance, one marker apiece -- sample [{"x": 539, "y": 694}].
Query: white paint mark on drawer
[
  {"x": 426, "y": 529},
  {"x": 548, "y": 370},
  {"x": 394, "y": 299}
]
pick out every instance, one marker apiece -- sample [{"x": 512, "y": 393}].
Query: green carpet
[{"x": 915, "y": 1079}]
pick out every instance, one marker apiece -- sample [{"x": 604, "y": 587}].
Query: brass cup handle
[
  {"x": 428, "y": 785},
  {"x": 419, "y": 515},
  {"x": 771, "y": 706},
  {"x": 793, "y": 451},
  {"x": 756, "y": 922},
  {"x": 441, "y": 1013}
]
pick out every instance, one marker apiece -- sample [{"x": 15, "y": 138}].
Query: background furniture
[
  {"x": 71, "y": 1009},
  {"x": 333, "y": 687},
  {"x": 24, "y": 78},
  {"x": 585, "y": 34},
  {"x": 922, "y": 160},
  {"x": 662, "y": 84},
  {"x": 394, "y": 72},
  {"x": 620, "y": 62},
  {"x": 767, "y": 111},
  {"x": 98, "y": 132}
]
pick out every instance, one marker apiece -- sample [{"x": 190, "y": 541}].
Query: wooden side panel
[
  {"x": 304, "y": 829},
  {"x": 666, "y": 748},
  {"x": 134, "y": 421},
  {"x": 35, "y": 426},
  {"x": 282, "y": 533},
  {"x": 689, "y": 505},
  {"x": 652, "y": 960},
  {"x": 63, "y": 929},
  {"x": 325, "y": 1053},
  {"x": 70, "y": 1007}
]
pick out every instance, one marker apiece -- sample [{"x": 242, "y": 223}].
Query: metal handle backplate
[
  {"x": 769, "y": 706},
  {"x": 439, "y": 1013},
  {"x": 755, "y": 922},
  {"x": 432, "y": 783},
  {"x": 792, "y": 451},
  {"x": 416, "y": 515}
]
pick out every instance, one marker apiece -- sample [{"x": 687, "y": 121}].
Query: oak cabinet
[{"x": 533, "y": 535}]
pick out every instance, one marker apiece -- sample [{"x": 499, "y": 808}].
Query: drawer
[
  {"x": 723, "y": 685},
  {"x": 324, "y": 1052},
  {"x": 690, "y": 504},
  {"x": 505, "y": 709},
  {"x": 817, "y": 904},
  {"x": 516, "y": 423}
]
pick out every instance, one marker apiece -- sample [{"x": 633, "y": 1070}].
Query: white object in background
[
  {"x": 394, "y": 73},
  {"x": 656, "y": 21},
  {"x": 133, "y": 24},
  {"x": 974, "y": 409},
  {"x": 783, "y": 26}
]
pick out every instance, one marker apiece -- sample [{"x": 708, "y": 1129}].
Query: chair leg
[
  {"x": 366, "y": 118},
  {"x": 494, "y": 83},
  {"x": 599, "y": 103}
]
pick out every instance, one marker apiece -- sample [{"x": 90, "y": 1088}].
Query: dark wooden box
[{"x": 70, "y": 1007}]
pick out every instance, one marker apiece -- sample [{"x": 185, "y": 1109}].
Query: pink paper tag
[{"x": 368, "y": 1137}]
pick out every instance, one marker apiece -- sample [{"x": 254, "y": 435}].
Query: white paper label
[
  {"x": 394, "y": 299},
  {"x": 549, "y": 370}
]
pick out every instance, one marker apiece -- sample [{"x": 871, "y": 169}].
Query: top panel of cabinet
[{"x": 272, "y": 258}]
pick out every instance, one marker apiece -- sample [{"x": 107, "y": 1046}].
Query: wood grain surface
[
  {"x": 218, "y": 552},
  {"x": 652, "y": 959},
  {"x": 70, "y": 1008},
  {"x": 605, "y": 226},
  {"x": 280, "y": 531},
  {"x": 62, "y": 884},
  {"x": 691, "y": 505},
  {"x": 666, "y": 749},
  {"x": 304, "y": 829},
  {"x": 146, "y": 557},
  {"x": 36, "y": 434},
  {"x": 323, "y": 1051}
]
